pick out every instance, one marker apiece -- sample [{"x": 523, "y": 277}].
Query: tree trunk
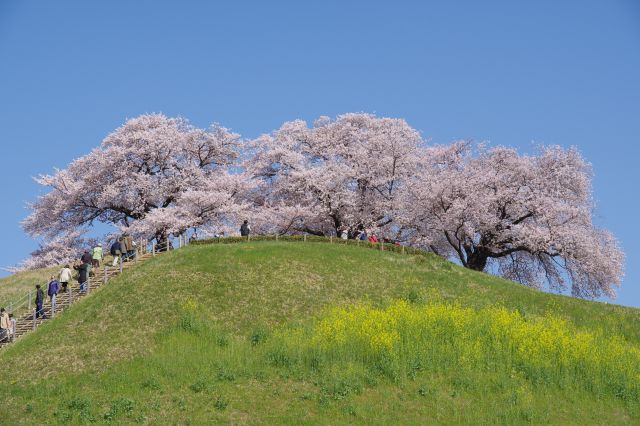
[{"x": 477, "y": 260}]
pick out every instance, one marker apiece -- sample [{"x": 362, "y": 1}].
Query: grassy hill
[
  {"x": 17, "y": 285},
  {"x": 284, "y": 332}
]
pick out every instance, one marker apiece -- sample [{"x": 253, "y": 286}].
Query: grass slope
[
  {"x": 15, "y": 286},
  {"x": 185, "y": 339}
]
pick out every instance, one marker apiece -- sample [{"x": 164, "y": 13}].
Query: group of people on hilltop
[{"x": 343, "y": 233}]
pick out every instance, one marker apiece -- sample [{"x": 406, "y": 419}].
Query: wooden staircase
[{"x": 26, "y": 323}]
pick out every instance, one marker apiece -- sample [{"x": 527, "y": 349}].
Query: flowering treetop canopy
[
  {"x": 342, "y": 174},
  {"x": 151, "y": 162},
  {"x": 531, "y": 216}
]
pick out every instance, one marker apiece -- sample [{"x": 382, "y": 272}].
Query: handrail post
[
  {"x": 34, "y": 317},
  {"x": 305, "y": 237},
  {"x": 29, "y": 299},
  {"x": 276, "y": 236},
  {"x": 104, "y": 277},
  {"x": 153, "y": 249},
  {"x": 121, "y": 262},
  {"x": 381, "y": 245},
  {"x": 331, "y": 239}
]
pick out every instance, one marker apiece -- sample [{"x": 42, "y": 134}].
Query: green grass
[
  {"x": 15, "y": 286},
  {"x": 190, "y": 337}
]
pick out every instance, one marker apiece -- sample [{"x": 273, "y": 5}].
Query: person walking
[
  {"x": 245, "y": 229},
  {"x": 5, "y": 325},
  {"x": 12, "y": 327},
  {"x": 97, "y": 255},
  {"x": 116, "y": 252},
  {"x": 128, "y": 250},
  {"x": 39, "y": 302},
  {"x": 52, "y": 291},
  {"x": 64, "y": 277},
  {"x": 87, "y": 259},
  {"x": 83, "y": 275}
]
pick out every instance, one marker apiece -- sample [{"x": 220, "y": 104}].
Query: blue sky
[{"x": 510, "y": 73}]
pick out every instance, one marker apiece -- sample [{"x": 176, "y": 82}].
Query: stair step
[{"x": 24, "y": 323}]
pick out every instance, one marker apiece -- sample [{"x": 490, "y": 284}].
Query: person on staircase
[
  {"x": 97, "y": 255},
  {"x": 52, "y": 291},
  {"x": 116, "y": 251},
  {"x": 127, "y": 246},
  {"x": 83, "y": 275},
  {"x": 12, "y": 327},
  {"x": 87, "y": 259},
  {"x": 5, "y": 324},
  {"x": 64, "y": 277},
  {"x": 39, "y": 302}
]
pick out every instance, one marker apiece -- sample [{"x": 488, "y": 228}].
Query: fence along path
[{"x": 26, "y": 318}]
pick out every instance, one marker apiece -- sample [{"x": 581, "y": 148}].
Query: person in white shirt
[{"x": 65, "y": 277}]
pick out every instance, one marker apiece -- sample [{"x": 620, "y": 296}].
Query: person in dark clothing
[
  {"x": 86, "y": 257},
  {"x": 245, "y": 229},
  {"x": 52, "y": 291},
  {"x": 83, "y": 275},
  {"x": 39, "y": 302},
  {"x": 116, "y": 251}
]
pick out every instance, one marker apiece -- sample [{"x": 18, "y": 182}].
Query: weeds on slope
[{"x": 403, "y": 339}]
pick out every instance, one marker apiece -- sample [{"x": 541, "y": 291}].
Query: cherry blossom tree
[
  {"x": 528, "y": 216},
  {"x": 151, "y": 163},
  {"x": 341, "y": 174},
  {"x": 62, "y": 249}
]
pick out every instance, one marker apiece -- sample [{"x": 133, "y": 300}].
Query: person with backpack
[
  {"x": 39, "y": 302},
  {"x": 52, "y": 291},
  {"x": 128, "y": 248},
  {"x": 245, "y": 229},
  {"x": 64, "y": 277},
  {"x": 116, "y": 251}
]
